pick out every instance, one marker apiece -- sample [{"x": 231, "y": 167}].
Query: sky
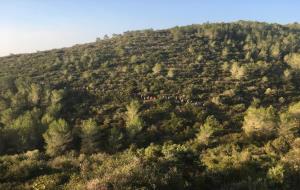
[{"x": 36, "y": 25}]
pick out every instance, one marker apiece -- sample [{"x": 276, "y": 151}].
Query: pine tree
[
  {"x": 208, "y": 130},
  {"x": 26, "y": 131},
  {"x": 91, "y": 136},
  {"x": 134, "y": 123},
  {"x": 58, "y": 137},
  {"x": 260, "y": 122},
  {"x": 157, "y": 68}
]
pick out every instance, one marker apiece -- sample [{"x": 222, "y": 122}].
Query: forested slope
[{"x": 211, "y": 106}]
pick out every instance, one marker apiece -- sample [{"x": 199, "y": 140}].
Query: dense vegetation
[{"x": 211, "y": 106}]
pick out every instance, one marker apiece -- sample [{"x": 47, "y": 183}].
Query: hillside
[{"x": 211, "y": 106}]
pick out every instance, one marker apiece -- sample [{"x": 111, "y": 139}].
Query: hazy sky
[{"x": 30, "y": 25}]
